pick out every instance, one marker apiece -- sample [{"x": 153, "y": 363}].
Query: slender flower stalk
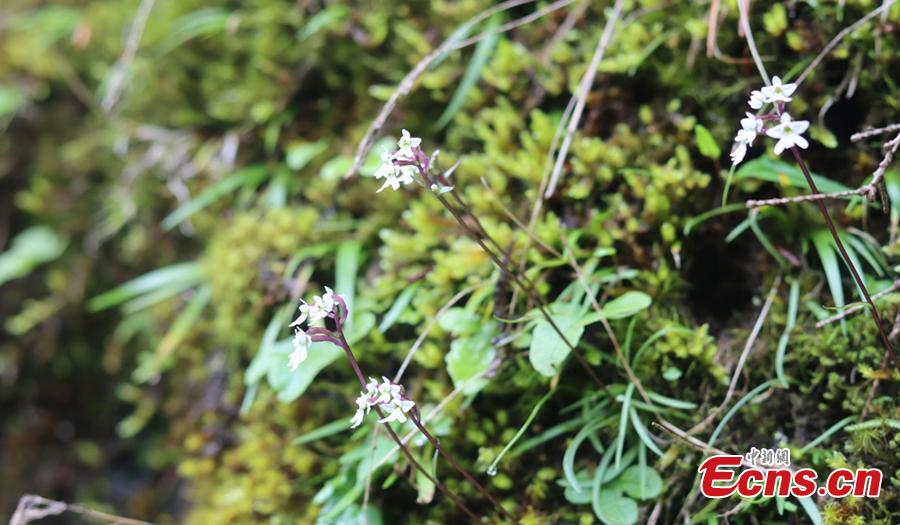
[
  {"x": 837, "y": 240},
  {"x": 411, "y": 154},
  {"x": 789, "y": 135},
  {"x": 387, "y": 399}
]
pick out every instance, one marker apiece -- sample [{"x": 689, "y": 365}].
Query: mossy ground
[{"x": 136, "y": 412}]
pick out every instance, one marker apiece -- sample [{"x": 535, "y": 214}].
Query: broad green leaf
[
  {"x": 250, "y": 176},
  {"x": 470, "y": 356},
  {"x": 616, "y": 509},
  {"x": 299, "y": 154},
  {"x": 780, "y": 172},
  {"x": 626, "y": 305},
  {"x": 290, "y": 385},
  {"x": 460, "y": 321},
  {"x": 639, "y": 482},
  {"x": 548, "y": 350},
  {"x": 30, "y": 248},
  {"x": 706, "y": 143}
]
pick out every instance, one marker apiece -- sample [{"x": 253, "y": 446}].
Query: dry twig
[{"x": 584, "y": 88}]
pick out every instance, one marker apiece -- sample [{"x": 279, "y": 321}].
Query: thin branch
[
  {"x": 120, "y": 69},
  {"x": 584, "y": 88},
  {"x": 870, "y": 191},
  {"x": 854, "y": 309},
  {"x": 32, "y": 507},
  {"x": 856, "y": 137}
]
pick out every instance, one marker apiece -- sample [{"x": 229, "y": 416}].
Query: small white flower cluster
[
  {"x": 387, "y": 396},
  {"x": 787, "y": 131},
  {"x": 393, "y": 169},
  {"x": 323, "y": 306}
]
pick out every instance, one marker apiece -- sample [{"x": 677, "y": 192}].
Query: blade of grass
[
  {"x": 250, "y": 176},
  {"x": 623, "y": 423},
  {"x": 734, "y": 410},
  {"x": 480, "y": 56},
  {"x": 521, "y": 431},
  {"x": 176, "y": 278},
  {"x": 643, "y": 433},
  {"x": 793, "y": 304},
  {"x": 828, "y": 433}
]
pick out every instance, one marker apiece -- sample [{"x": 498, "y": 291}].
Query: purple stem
[{"x": 844, "y": 255}]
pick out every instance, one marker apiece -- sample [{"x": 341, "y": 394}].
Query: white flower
[
  {"x": 325, "y": 303},
  {"x": 363, "y": 406},
  {"x": 756, "y": 99},
  {"x": 301, "y": 349},
  {"x": 788, "y": 133},
  {"x": 406, "y": 145},
  {"x": 402, "y": 176},
  {"x": 750, "y": 128},
  {"x": 738, "y": 152},
  {"x": 387, "y": 391},
  {"x": 778, "y": 92},
  {"x": 387, "y": 168},
  {"x": 387, "y": 396},
  {"x": 393, "y": 175},
  {"x": 304, "y": 313},
  {"x": 321, "y": 308},
  {"x": 397, "y": 410}
]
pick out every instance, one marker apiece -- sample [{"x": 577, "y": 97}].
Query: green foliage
[{"x": 159, "y": 249}]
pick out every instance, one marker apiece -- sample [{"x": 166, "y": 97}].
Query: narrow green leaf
[
  {"x": 793, "y": 304},
  {"x": 30, "y": 248},
  {"x": 623, "y": 423},
  {"x": 324, "y": 19},
  {"x": 202, "y": 22},
  {"x": 398, "y": 308},
  {"x": 479, "y": 59},
  {"x": 780, "y": 172},
  {"x": 326, "y": 430},
  {"x": 643, "y": 433},
  {"x": 809, "y": 506},
  {"x": 824, "y": 246},
  {"x": 250, "y": 176},
  {"x": 176, "y": 278}
]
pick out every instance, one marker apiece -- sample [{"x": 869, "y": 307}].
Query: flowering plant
[{"x": 788, "y": 131}]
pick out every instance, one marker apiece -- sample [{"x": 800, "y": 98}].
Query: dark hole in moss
[
  {"x": 719, "y": 274},
  {"x": 844, "y": 118}
]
